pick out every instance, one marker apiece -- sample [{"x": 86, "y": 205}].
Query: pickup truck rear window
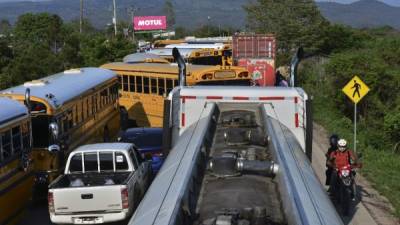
[
  {"x": 75, "y": 164},
  {"x": 91, "y": 162},
  {"x": 106, "y": 161},
  {"x": 98, "y": 162},
  {"x": 120, "y": 161}
]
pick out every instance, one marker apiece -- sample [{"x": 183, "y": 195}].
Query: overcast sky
[{"x": 390, "y": 2}]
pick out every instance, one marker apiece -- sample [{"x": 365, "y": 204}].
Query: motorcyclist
[
  {"x": 333, "y": 139},
  {"x": 339, "y": 158}
]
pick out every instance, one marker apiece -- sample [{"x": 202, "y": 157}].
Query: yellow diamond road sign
[{"x": 356, "y": 89}]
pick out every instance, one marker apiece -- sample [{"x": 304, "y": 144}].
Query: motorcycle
[{"x": 344, "y": 188}]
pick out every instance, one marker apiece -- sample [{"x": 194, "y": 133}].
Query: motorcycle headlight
[{"x": 345, "y": 173}]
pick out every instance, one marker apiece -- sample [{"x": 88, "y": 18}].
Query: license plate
[{"x": 88, "y": 220}]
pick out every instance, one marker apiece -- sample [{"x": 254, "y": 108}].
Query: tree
[
  {"x": 6, "y": 53},
  {"x": 41, "y": 28},
  {"x": 294, "y": 22},
  {"x": 170, "y": 13},
  {"x": 5, "y": 26},
  {"x": 33, "y": 62}
]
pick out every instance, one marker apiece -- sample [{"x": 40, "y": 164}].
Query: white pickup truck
[{"x": 101, "y": 183}]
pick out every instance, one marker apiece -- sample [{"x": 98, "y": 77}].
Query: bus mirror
[
  {"x": 54, "y": 148},
  {"x": 54, "y": 130},
  {"x": 28, "y": 98}
]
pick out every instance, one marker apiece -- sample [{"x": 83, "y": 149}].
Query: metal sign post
[
  {"x": 355, "y": 89},
  {"x": 355, "y": 128}
]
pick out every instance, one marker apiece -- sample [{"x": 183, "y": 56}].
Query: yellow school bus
[
  {"x": 145, "y": 85},
  {"x": 163, "y": 43},
  {"x": 16, "y": 172},
  {"x": 68, "y": 109},
  {"x": 210, "y": 56}
]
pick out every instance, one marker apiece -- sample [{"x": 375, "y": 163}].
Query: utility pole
[
  {"x": 81, "y": 18},
  {"x": 132, "y": 10},
  {"x": 115, "y": 18}
]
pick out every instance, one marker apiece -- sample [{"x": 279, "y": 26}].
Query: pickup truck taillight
[
  {"x": 125, "y": 198},
  {"x": 50, "y": 199}
]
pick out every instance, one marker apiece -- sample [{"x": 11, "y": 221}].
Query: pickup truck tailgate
[{"x": 87, "y": 199}]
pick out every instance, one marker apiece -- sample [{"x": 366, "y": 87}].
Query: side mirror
[
  {"x": 54, "y": 148},
  {"x": 53, "y": 127},
  {"x": 28, "y": 98}
]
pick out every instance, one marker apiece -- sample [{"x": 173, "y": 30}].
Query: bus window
[
  {"x": 16, "y": 136},
  {"x": 95, "y": 103},
  {"x": 6, "y": 143},
  {"x": 64, "y": 124},
  {"x": 125, "y": 83},
  {"x": 132, "y": 83},
  {"x": 70, "y": 119},
  {"x": 87, "y": 105},
  {"x": 119, "y": 82},
  {"x": 153, "y": 82},
  {"x": 103, "y": 98},
  {"x": 146, "y": 85},
  {"x": 175, "y": 83},
  {"x": 83, "y": 108},
  {"x": 170, "y": 85},
  {"x": 161, "y": 88},
  {"x": 139, "y": 84},
  {"x": 114, "y": 91},
  {"x": 75, "y": 115},
  {"x": 26, "y": 139},
  {"x": 90, "y": 106}
]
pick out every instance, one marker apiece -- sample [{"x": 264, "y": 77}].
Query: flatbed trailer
[{"x": 238, "y": 156}]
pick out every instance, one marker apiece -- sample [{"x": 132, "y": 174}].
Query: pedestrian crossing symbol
[{"x": 355, "y": 89}]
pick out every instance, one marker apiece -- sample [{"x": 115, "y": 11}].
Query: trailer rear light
[
  {"x": 125, "y": 198},
  {"x": 50, "y": 199}
]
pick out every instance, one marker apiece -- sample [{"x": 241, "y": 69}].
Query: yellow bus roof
[
  {"x": 165, "y": 68},
  {"x": 162, "y": 67}
]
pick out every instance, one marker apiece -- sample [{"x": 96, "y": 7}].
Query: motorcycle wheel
[{"x": 345, "y": 200}]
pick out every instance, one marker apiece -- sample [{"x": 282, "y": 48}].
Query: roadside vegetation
[
  {"x": 336, "y": 53},
  {"x": 378, "y": 120}
]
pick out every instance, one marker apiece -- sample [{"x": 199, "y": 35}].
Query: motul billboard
[{"x": 150, "y": 23}]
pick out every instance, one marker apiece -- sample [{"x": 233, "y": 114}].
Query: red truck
[{"x": 257, "y": 54}]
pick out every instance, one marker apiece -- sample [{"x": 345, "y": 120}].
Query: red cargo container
[
  {"x": 257, "y": 54},
  {"x": 262, "y": 70}
]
